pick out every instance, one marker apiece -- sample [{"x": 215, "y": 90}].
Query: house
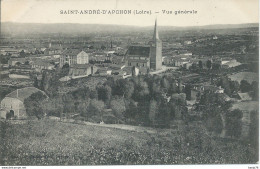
[
  {"x": 14, "y": 61},
  {"x": 244, "y": 96},
  {"x": 178, "y": 61},
  {"x": 98, "y": 57},
  {"x": 104, "y": 71},
  {"x": 187, "y": 42},
  {"x": 74, "y": 56},
  {"x": 39, "y": 65},
  {"x": 82, "y": 70},
  {"x": 15, "y": 101},
  {"x": 53, "y": 49},
  {"x": 117, "y": 60},
  {"x": 214, "y": 37}
]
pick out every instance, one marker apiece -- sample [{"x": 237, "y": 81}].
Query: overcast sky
[{"x": 208, "y": 11}]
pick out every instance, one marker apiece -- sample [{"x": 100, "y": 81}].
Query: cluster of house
[
  {"x": 186, "y": 61},
  {"x": 138, "y": 59}
]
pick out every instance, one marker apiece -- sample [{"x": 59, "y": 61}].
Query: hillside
[
  {"x": 74, "y": 28},
  {"x": 48, "y": 142}
]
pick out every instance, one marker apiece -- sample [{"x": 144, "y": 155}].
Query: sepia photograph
[{"x": 129, "y": 82}]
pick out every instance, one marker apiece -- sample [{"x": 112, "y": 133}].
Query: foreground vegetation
[{"x": 46, "y": 142}]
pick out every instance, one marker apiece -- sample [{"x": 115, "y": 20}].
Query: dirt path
[{"x": 120, "y": 126}]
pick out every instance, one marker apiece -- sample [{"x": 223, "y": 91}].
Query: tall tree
[
  {"x": 118, "y": 107},
  {"x": 32, "y": 104},
  {"x": 244, "y": 86},
  {"x": 209, "y": 64},
  {"x": 234, "y": 123},
  {"x": 153, "y": 111},
  {"x": 200, "y": 64},
  {"x": 95, "y": 108}
]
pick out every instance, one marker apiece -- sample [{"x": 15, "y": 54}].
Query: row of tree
[
  {"x": 139, "y": 100},
  {"x": 232, "y": 87}
]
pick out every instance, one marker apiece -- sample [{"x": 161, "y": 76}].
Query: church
[{"x": 146, "y": 56}]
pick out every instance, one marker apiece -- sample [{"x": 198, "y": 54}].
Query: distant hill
[{"x": 70, "y": 28}]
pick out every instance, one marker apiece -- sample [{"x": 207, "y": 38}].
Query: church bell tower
[{"x": 155, "y": 50}]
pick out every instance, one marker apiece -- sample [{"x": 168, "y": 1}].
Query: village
[{"x": 154, "y": 80}]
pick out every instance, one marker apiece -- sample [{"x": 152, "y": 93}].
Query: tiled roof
[
  {"x": 244, "y": 96},
  {"x": 143, "y": 51},
  {"x": 72, "y": 52},
  {"x": 41, "y": 62},
  {"x": 24, "y": 93},
  {"x": 138, "y": 60},
  {"x": 80, "y": 66},
  {"x": 18, "y": 59}
]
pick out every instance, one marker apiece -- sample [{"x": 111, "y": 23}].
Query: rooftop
[
  {"x": 23, "y": 93},
  {"x": 142, "y": 51}
]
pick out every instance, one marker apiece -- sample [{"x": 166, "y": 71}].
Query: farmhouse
[{"x": 15, "y": 101}]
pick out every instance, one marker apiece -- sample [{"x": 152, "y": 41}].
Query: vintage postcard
[{"x": 129, "y": 82}]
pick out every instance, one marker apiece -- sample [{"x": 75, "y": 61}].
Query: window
[
  {"x": 130, "y": 64},
  {"x": 136, "y": 64},
  {"x": 143, "y": 64}
]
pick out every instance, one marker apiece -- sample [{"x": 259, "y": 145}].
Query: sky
[{"x": 208, "y": 12}]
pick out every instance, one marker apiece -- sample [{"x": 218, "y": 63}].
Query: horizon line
[{"x": 129, "y": 25}]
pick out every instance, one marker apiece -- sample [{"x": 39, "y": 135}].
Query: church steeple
[
  {"x": 156, "y": 50},
  {"x": 155, "y": 34}
]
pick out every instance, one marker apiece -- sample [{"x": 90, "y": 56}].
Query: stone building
[
  {"x": 74, "y": 56},
  {"x": 146, "y": 56},
  {"x": 15, "y": 101}
]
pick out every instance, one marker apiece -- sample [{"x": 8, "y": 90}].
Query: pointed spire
[{"x": 155, "y": 34}]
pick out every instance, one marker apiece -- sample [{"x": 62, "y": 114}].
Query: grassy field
[
  {"x": 246, "y": 106},
  {"x": 47, "y": 142},
  {"x": 248, "y": 76}
]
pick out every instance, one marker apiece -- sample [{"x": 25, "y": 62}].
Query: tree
[
  {"x": 104, "y": 93},
  {"x": 208, "y": 64},
  {"x": 93, "y": 94},
  {"x": 64, "y": 70},
  {"x": 187, "y": 91},
  {"x": 103, "y": 47},
  {"x": 141, "y": 91},
  {"x": 244, "y": 86},
  {"x": 95, "y": 108},
  {"x": 83, "y": 108},
  {"x": 22, "y": 53},
  {"x": 35, "y": 82},
  {"x": 17, "y": 63},
  {"x": 26, "y": 62},
  {"x": 163, "y": 118},
  {"x": 131, "y": 110},
  {"x": 69, "y": 104},
  {"x": 234, "y": 123},
  {"x": 255, "y": 89},
  {"x": 118, "y": 107},
  {"x": 224, "y": 82},
  {"x": 153, "y": 111},
  {"x": 200, "y": 64},
  {"x": 128, "y": 89},
  {"x": 173, "y": 88},
  {"x": 53, "y": 106},
  {"x": 164, "y": 83},
  {"x": 32, "y": 104},
  {"x": 234, "y": 86}
]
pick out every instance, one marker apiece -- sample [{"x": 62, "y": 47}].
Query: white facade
[{"x": 14, "y": 104}]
